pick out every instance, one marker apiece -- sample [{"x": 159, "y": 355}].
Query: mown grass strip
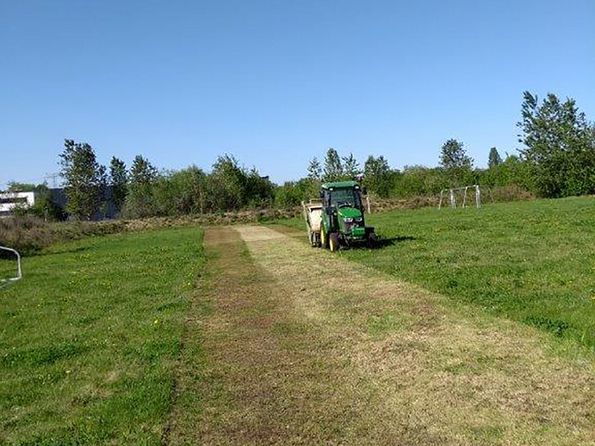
[
  {"x": 532, "y": 261},
  {"x": 439, "y": 373}
]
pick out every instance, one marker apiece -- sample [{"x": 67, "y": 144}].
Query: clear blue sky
[{"x": 278, "y": 82}]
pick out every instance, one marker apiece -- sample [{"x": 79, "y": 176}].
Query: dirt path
[{"x": 303, "y": 347}]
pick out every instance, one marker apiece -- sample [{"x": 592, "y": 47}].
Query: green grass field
[
  {"x": 90, "y": 337},
  {"x": 530, "y": 261}
]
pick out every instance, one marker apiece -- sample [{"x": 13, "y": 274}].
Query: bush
[
  {"x": 510, "y": 192},
  {"x": 292, "y": 193},
  {"x": 30, "y": 234}
]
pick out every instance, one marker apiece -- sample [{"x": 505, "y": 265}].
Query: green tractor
[{"x": 342, "y": 217}]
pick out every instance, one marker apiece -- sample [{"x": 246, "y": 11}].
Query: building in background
[
  {"x": 54, "y": 200},
  {"x": 11, "y": 201}
]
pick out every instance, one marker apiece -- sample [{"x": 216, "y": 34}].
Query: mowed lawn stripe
[
  {"x": 256, "y": 371},
  {"x": 531, "y": 261},
  {"x": 428, "y": 373}
]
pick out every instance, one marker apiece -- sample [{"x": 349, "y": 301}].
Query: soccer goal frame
[
  {"x": 452, "y": 198},
  {"x": 19, "y": 271}
]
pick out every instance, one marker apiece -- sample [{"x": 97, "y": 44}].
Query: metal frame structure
[
  {"x": 452, "y": 199},
  {"x": 19, "y": 275}
]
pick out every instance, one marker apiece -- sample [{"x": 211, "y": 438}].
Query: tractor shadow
[
  {"x": 382, "y": 243},
  {"x": 62, "y": 250}
]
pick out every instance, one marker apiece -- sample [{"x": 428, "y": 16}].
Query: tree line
[
  {"x": 557, "y": 159},
  {"x": 145, "y": 191}
]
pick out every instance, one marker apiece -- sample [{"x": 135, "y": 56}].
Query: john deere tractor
[{"x": 342, "y": 218}]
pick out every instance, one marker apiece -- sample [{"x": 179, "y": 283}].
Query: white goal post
[
  {"x": 452, "y": 192},
  {"x": 19, "y": 272}
]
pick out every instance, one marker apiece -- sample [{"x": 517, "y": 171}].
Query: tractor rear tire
[{"x": 333, "y": 239}]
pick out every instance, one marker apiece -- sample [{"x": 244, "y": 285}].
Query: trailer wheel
[
  {"x": 312, "y": 237},
  {"x": 333, "y": 241}
]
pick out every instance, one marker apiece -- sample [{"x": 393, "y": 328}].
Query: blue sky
[{"x": 278, "y": 82}]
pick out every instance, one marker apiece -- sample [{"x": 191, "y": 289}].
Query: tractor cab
[{"x": 343, "y": 221}]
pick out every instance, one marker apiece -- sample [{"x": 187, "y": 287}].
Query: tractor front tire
[
  {"x": 323, "y": 238},
  {"x": 372, "y": 240},
  {"x": 333, "y": 240}
]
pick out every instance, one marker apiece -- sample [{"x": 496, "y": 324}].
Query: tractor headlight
[
  {"x": 348, "y": 220},
  {"x": 359, "y": 219}
]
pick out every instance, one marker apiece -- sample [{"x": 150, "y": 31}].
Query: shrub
[{"x": 28, "y": 234}]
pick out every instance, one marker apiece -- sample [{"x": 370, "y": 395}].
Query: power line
[{"x": 53, "y": 177}]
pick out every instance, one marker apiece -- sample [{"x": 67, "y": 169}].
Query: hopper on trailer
[{"x": 313, "y": 216}]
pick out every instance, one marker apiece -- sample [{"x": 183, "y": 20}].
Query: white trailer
[{"x": 313, "y": 216}]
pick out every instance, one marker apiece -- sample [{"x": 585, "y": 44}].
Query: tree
[
  {"x": 259, "y": 191},
  {"x": 511, "y": 172},
  {"x": 15, "y": 186},
  {"x": 142, "y": 171},
  {"x": 314, "y": 169},
  {"x": 84, "y": 179},
  {"x": 333, "y": 168},
  {"x": 227, "y": 183},
  {"x": 456, "y": 163},
  {"x": 350, "y": 166},
  {"x": 291, "y": 193},
  {"x": 454, "y": 156},
  {"x": 377, "y": 176},
  {"x": 143, "y": 175},
  {"x": 419, "y": 181},
  {"x": 118, "y": 182},
  {"x": 559, "y": 145},
  {"x": 179, "y": 192},
  {"x": 494, "y": 159}
]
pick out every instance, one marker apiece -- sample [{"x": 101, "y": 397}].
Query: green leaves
[
  {"x": 456, "y": 163},
  {"x": 494, "y": 158},
  {"x": 559, "y": 146},
  {"x": 118, "y": 182},
  {"x": 84, "y": 177}
]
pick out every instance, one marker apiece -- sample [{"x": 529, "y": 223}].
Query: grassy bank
[
  {"x": 529, "y": 261},
  {"x": 29, "y": 234},
  {"x": 89, "y": 338}
]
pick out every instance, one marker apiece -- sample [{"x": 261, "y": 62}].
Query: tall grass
[{"x": 29, "y": 234}]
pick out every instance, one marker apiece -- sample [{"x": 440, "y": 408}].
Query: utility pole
[{"x": 53, "y": 177}]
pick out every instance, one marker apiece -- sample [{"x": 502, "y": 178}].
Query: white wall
[{"x": 9, "y": 200}]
